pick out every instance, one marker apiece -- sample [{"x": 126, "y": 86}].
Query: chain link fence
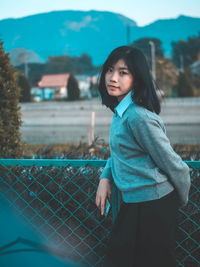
[{"x": 57, "y": 198}]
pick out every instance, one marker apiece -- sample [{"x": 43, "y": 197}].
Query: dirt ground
[{"x": 64, "y": 122}]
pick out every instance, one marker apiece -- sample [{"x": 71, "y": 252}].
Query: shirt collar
[{"x": 123, "y": 104}]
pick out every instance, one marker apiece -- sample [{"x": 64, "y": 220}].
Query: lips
[{"x": 112, "y": 87}]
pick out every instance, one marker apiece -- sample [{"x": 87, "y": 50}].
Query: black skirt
[{"x": 143, "y": 234}]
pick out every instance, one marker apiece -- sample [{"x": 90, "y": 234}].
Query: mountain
[
  {"x": 93, "y": 32},
  {"x": 169, "y": 30}
]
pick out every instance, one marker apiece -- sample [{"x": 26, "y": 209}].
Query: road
[{"x": 63, "y": 122}]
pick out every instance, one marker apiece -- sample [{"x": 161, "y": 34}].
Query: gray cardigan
[{"x": 143, "y": 164}]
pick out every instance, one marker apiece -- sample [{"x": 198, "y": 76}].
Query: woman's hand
[{"x": 103, "y": 192}]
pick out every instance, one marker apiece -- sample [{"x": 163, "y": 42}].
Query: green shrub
[
  {"x": 25, "y": 89},
  {"x": 73, "y": 89},
  {"x": 10, "y": 117}
]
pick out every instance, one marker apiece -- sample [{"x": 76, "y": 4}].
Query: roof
[{"x": 54, "y": 80}]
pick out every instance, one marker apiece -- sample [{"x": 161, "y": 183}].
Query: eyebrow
[
  {"x": 123, "y": 68},
  {"x": 120, "y": 68}
]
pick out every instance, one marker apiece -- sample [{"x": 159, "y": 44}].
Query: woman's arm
[
  {"x": 106, "y": 173},
  {"x": 151, "y": 137},
  {"x": 104, "y": 189}
]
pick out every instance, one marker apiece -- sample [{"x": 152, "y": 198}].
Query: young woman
[{"x": 153, "y": 180}]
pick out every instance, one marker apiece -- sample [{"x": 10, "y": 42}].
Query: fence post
[{"x": 91, "y": 132}]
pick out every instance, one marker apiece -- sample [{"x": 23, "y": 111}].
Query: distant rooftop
[{"x": 54, "y": 80}]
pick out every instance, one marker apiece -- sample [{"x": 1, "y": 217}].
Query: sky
[{"x": 141, "y": 11}]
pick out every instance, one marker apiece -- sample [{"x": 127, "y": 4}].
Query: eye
[
  {"x": 110, "y": 69},
  {"x": 123, "y": 72}
]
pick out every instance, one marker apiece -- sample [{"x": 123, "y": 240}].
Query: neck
[{"x": 119, "y": 98}]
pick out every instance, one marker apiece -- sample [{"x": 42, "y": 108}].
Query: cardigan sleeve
[
  {"x": 151, "y": 137},
  {"x": 107, "y": 170}
]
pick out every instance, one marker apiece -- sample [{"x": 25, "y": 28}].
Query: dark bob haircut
[{"x": 144, "y": 88}]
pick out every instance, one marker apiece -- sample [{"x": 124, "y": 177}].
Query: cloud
[{"x": 76, "y": 26}]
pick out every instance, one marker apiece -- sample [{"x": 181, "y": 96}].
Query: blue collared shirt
[
  {"x": 142, "y": 163},
  {"x": 123, "y": 105}
]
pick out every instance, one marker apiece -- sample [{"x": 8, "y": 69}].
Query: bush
[
  {"x": 10, "y": 118},
  {"x": 73, "y": 89},
  {"x": 25, "y": 88}
]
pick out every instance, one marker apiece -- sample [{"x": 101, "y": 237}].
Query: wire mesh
[
  {"x": 57, "y": 198},
  {"x": 59, "y": 202},
  {"x": 188, "y": 230}
]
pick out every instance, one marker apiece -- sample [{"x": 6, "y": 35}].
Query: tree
[
  {"x": 64, "y": 64},
  {"x": 73, "y": 89},
  {"x": 166, "y": 75},
  {"x": 35, "y": 72},
  {"x": 186, "y": 52},
  {"x": 10, "y": 118},
  {"x": 184, "y": 86},
  {"x": 25, "y": 95},
  {"x": 144, "y": 46},
  {"x": 58, "y": 64},
  {"x": 85, "y": 62}
]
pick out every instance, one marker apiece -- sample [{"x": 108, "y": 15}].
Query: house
[
  {"x": 195, "y": 68},
  {"x": 85, "y": 82},
  {"x": 54, "y": 86}
]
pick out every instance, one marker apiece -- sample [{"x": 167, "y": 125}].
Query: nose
[{"x": 114, "y": 76}]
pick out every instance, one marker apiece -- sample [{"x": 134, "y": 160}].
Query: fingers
[
  {"x": 109, "y": 194},
  {"x": 98, "y": 200},
  {"x": 103, "y": 205},
  {"x": 101, "y": 202},
  {"x": 103, "y": 192}
]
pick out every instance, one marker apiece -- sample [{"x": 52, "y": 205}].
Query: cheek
[
  {"x": 106, "y": 77},
  {"x": 128, "y": 82}
]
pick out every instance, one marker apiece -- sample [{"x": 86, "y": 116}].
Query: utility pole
[
  {"x": 181, "y": 63},
  {"x": 153, "y": 61},
  {"x": 91, "y": 133},
  {"x": 26, "y": 64}
]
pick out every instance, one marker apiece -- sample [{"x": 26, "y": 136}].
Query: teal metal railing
[{"x": 57, "y": 198}]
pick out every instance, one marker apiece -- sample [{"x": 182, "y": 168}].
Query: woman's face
[{"x": 118, "y": 80}]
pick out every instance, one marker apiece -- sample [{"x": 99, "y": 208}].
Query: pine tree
[
  {"x": 73, "y": 89},
  {"x": 25, "y": 95},
  {"x": 10, "y": 117}
]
